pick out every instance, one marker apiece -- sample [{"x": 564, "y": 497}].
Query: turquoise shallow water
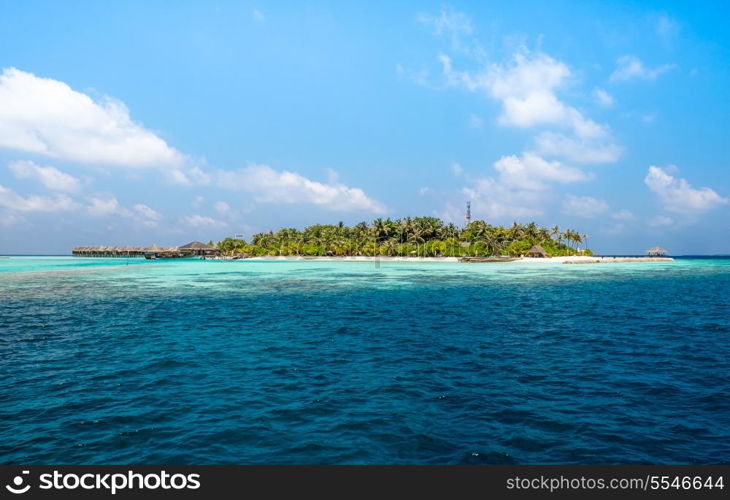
[{"x": 312, "y": 362}]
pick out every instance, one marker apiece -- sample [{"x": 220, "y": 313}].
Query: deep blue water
[{"x": 311, "y": 362}]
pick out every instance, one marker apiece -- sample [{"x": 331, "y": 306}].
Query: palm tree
[{"x": 390, "y": 246}]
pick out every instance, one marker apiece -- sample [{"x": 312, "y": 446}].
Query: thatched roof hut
[
  {"x": 196, "y": 245},
  {"x": 153, "y": 248},
  {"x": 198, "y": 248},
  {"x": 536, "y": 251},
  {"x": 656, "y": 252}
]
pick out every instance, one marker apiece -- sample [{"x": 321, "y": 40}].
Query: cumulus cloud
[
  {"x": 584, "y": 206},
  {"x": 201, "y": 221},
  {"x": 50, "y": 177},
  {"x": 494, "y": 200},
  {"x": 108, "y": 206},
  {"x": 100, "y": 207},
  {"x": 666, "y": 28},
  {"x": 624, "y": 215},
  {"x": 531, "y": 171},
  {"x": 146, "y": 212},
  {"x": 521, "y": 186},
  {"x": 475, "y": 121},
  {"x": 9, "y": 219},
  {"x": 274, "y": 186},
  {"x": 603, "y": 98},
  {"x": 527, "y": 88},
  {"x": 677, "y": 195},
  {"x": 576, "y": 149},
  {"x": 448, "y": 21},
  {"x": 13, "y": 201},
  {"x": 419, "y": 77},
  {"x": 258, "y": 16},
  {"x": 222, "y": 207},
  {"x": 631, "y": 68},
  {"x": 47, "y": 117},
  {"x": 457, "y": 26},
  {"x": 660, "y": 221}
]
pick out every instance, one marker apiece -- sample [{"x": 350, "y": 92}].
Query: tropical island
[{"x": 409, "y": 237}]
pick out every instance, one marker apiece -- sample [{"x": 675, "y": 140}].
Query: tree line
[{"x": 409, "y": 237}]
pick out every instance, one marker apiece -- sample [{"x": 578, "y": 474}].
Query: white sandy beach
[{"x": 574, "y": 259}]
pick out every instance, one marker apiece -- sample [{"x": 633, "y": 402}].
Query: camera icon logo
[{"x": 17, "y": 484}]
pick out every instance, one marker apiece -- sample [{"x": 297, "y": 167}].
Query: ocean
[{"x": 212, "y": 362}]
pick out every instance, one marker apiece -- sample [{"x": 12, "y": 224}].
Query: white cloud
[
  {"x": 604, "y": 98},
  {"x": 660, "y": 221},
  {"x": 457, "y": 169},
  {"x": 424, "y": 191},
  {"x": 493, "y": 200},
  {"x": 273, "y": 186},
  {"x": 197, "y": 201},
  {"x": 475, "y": 121},
  {"x": 531, "y": 171},
  {"x": 419, "y": 77},
  {"x": 457, "y": 26},
  {"x": 47, "y": 117},
  {"x": 222, "y": 207},
  {"x": 9, "y": 219},
  {"x": 521, "y": 187},
  {"x": 258, "y": 16},
  {"x": 631, "y": 68},
  {"x": 146, "y": 212},
  {"x": 189, "y": 176},
  {"x": 677, "y": 195},
  {"x": 584, "y": 206},
  {"x": 577, "y": 149},
  {"x": 13, "y": 201},
  {"x": 527, "y": 89},
  {"x": 623, "y": 215},
  {"x": 666, "y": 28},
  {"x": 108, "y": 206},
  {"x": 50, "y": 177},
  {"x": 614, "y": 229},
  {"x": 448, "y": 22},
  {"x": 100, "y": 207},
  {"x": 201, "y": 221}
]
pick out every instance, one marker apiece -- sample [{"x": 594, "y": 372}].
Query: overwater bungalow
[
  {"x": 155, "y": 252},
  {"x": 198, "y": 248},
  {"x": 108, "y": 251},
  {"x": 190, "y": 250}
]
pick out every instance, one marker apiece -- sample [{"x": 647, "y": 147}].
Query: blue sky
[{"x": 130, "y": 123}]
